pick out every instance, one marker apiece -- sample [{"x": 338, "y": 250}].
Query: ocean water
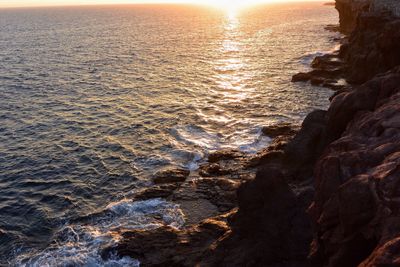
[{"x": 94, "y": 100}]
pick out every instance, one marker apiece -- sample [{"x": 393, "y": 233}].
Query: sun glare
[{"x": 232, "y": 5}]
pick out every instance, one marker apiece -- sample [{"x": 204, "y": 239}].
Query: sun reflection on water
[{"x": 231, "y": 77}]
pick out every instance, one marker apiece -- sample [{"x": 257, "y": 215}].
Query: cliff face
[
  {"x": 374, "y": 45},
  {"x": 356, "y": 208},
  {"x": 391, "y": 6},
  {"x": 356, "y": 143},
  {"x": 350, "y": 10},
  {"x": 356, "y": 205}
]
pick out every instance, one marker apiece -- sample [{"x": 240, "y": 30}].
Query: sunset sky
[{"x": 25, "y": 3}]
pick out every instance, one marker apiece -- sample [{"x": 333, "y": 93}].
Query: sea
[{"x": 95, "y": 99}]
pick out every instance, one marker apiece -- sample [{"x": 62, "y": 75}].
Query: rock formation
[
  {"x": 349, "y": 10},
  {"x": 357, "y": 178}
]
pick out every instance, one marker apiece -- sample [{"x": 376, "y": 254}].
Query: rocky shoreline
[{"x": 323, "y": 194}]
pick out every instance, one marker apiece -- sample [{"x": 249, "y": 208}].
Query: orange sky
[{"x": 25, "y": 3}]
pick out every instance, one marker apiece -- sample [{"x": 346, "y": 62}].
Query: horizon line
[{"x": 172, "y": 2}]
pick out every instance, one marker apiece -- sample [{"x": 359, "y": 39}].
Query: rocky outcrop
[
  {"x": 271, "y": 227},
  {"x": 391, "y": 6},
  {"x": 373, "y": 47},
  {"x": 356, "y": 207},
  {"x": 349, "y": 10},
  {"x": 328, "y": 71},
  {"x": 168, "y": 246},
  {"x": 170, "y": 176}
]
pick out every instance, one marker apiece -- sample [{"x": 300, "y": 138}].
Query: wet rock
[
  {"x": 220, "y": 191},
  {"x": 214, "y": 169},
  {"x": 161, "y": 191},
  {"x": 197, "y": 210},
  {"x": 283, "y": 129},
  {"x": 224, "y": 155},
  {"x": 333, "y": 28},
  {"x": 168, "y": 246},
  {"x": 301, "y": 77},
  {"x": 170, "y": 176},
  {"x": 328, "y": 61},
  {"x": 327, "y": 71}
]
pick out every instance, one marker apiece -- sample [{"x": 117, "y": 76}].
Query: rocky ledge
[
  {"x": 373, "y": 46},
  {"x": 324, "y": 194}
]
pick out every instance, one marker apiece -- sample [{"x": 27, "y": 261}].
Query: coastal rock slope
[{"x": 357, "y": 178}]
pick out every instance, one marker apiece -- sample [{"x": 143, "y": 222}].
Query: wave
[{"x": 81, "y": 244}]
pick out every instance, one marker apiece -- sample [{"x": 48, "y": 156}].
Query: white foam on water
[
  {"x": 308, "y": 58},
  {"x": 81, "y": 244},
  {"x": 253, "y": 143},
  {"x": 249, "y": 140}
]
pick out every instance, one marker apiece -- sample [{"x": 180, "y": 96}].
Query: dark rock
[
  {"x": 365, "y": 98},
  {"x": 374, "y": 47},
  {"x": 170, "y": 176},
  {"x": 220, "y": 191},
  {"x": 333, "y": 28},
  {"x": 308, "y": 144},
  {"x": 356, "y": 210},
  {"x": 161, "y": 191},
  {"x": 327, "y": 71},
  {"x": 267, "y": 157},
  {"x": 270, "y": 228},
  {"x": 301, "y": 77},
  {"x": 328, "y": 61},
  {"x": 349, "y": 10},
  {"x": 329, "y": 4},
  {"x": 213, "y": 169},
  {"x": 168, "y": 246},
  {"x": 385, "y": 255},
  {"x": 279, "y": 130},
  {"x": 223, "y": 155}
]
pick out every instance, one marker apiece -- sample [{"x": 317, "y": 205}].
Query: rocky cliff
[
  {"x": 353, "y": 153},
  {"x": 350, "y": 10}
]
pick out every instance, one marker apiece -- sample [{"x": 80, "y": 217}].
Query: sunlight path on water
[{"x": 231, "y": 76}]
